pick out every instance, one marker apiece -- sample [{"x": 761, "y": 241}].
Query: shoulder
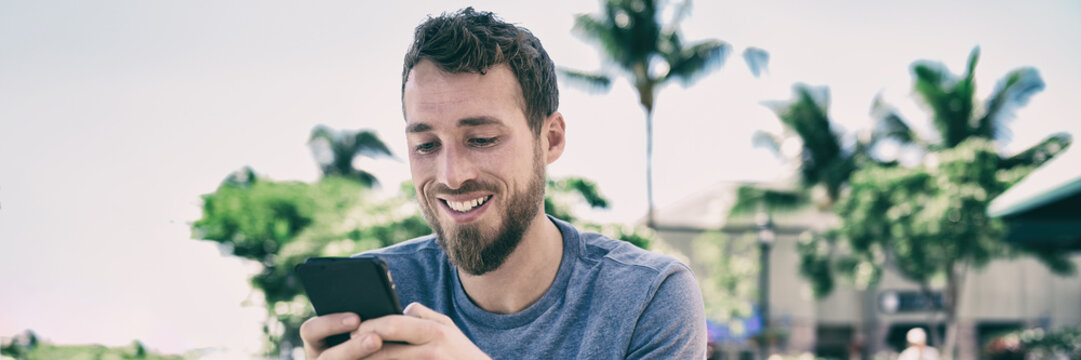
[
  {"x": 660, "y": 290},
  {"x": 417, "y": 267},
  {"x": 417, "y": 246},
  {"x": 416, "y": 254},
  {"x": 624, "y": 257}
]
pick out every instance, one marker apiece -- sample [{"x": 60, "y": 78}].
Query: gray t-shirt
[{"x": 609, "y": 300}]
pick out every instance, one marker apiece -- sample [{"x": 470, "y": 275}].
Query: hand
[
  {"x": 421, "y": 333},
  {"x": 314, "y": 332}
]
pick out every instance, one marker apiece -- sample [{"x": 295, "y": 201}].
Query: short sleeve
[{"x": 673, "y": 323}]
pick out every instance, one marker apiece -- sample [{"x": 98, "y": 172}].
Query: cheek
[
  {"x": 421, "y": 173},
  {"x": 419, "y": 168}
]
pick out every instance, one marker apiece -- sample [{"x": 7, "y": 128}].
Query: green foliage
[
  {"x": 731, "y": 267},
  {"x": 926, "y": 219},
  {"x": 752, "y": 199},
  {"x": 27, "y": 347},
  {"x": 637, "y": 236},
  {"x": 922, "y": 220},
  {"x": 564, "y": 195},
  {"x": 279, "y": 224},
  {"x": 931, "y": 220}
]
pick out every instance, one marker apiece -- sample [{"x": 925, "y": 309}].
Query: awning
[{"x": 1043, "y": 210}]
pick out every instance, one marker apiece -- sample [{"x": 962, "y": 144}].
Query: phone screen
[{"x": 360, "y": 285}]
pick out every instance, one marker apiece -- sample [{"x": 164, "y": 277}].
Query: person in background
[{"x": 917, "y": 347}]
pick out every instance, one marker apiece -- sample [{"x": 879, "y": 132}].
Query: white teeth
[{"x": 465, "y": 206}]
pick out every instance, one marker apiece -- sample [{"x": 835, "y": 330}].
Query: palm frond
[
  {"x": 1011, "y": 92},
  {"x": 601, "y": 33},
  {"x": 594, "y": 83},
  {"x": 757, "y": 60},
  {"x": 321, "y": 132},
  {"x": 949, "y": 98},
  {"x": 367, "y": 143},
  {"x": 1039, "y": 153},
  {"x": 807, "y": 115},
  {"x": 973, "y": 58},
  {"x": 890, "y": 125},
  {"x": 689, "y": 64},
  {"x": 768, "y": 141}
]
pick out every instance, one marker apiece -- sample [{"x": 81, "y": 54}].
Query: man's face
[{"x": 477, "y": 167}]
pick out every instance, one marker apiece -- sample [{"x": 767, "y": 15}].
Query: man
[
  {"x": 917, "y": 346},
  {"x": 499, "y": 278}
]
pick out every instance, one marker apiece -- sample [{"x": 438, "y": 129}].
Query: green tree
[
  {"x": 279, "y": 224},
  {"x": 930, "y": 220},
  {"x": 631, "y": 35}
]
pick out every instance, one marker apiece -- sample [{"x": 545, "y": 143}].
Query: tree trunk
[
  {"x": 644, "y": 84},
  {"x": 932, "y": 311},
  {"x": 649, "y": 167},
  {"x": 951, "y": 300}
]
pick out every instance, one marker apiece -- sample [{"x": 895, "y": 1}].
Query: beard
[{"x": 478, "y": 250}]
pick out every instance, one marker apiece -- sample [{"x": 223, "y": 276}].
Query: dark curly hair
[{"x": 473, "y": 42}]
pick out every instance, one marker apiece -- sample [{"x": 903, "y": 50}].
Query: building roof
[
  {"x": 1044, "y": 209},
  {"x": 708, "y": 209}
]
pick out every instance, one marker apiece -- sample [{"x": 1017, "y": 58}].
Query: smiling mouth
[{"x": 466, "y": 206}]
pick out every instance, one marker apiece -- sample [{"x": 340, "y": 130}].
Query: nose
[{"x": 455, "y": 167}]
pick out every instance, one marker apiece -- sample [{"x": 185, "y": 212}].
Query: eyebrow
[{"x": 469, "y": 121}]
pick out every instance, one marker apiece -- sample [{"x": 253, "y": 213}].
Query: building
[{"x": 1005, "y": 295}]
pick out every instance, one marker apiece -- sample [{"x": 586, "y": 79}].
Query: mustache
[{"x": 467, "y": 187}]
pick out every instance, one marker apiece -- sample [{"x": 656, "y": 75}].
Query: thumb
[{"x": 420, "y": 311}]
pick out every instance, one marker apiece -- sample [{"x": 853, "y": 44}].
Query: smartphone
[{"x": 361, "y": 285}]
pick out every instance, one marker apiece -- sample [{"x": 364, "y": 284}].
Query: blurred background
[{"x": 828, "y": 169}]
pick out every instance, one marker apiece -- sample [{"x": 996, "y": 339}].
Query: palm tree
[
  {"x": 631, "y": 35},
  {"x": 823, "y": 159},
  {"x": 958, "y": 116},
  {"x": 335, "y": 152}
]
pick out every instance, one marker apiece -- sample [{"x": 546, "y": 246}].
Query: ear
[{"x": 553, "y": 133}]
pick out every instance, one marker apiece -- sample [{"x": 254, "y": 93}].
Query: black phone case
[{"x": 360, "y": 285}]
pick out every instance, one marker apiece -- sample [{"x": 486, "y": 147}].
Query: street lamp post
[{"x": 764, "y": 230}]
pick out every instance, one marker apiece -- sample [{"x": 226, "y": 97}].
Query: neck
[{"x": 525, "y": 276}]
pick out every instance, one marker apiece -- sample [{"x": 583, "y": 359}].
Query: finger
[
  {"x": 420, "y": 311},
  {"x": 401, "y": 328},
  {"x": 401, "y": 351},
  {"x": 315, "y": 330},
  {"x": 354, "y": 348}
]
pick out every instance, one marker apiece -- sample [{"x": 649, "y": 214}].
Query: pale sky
[{"x": 115, "y": 116}]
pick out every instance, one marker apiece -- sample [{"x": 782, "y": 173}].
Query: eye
[
  {"x": 426, "y": 148},
  {"x": 483, "y": 142}
]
